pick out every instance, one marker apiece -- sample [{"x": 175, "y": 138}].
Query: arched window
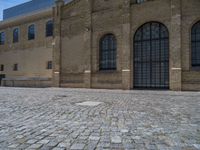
[
  {"x": 196, "y": 45},
  {"x": 15, "y": 35},
  {"x": 31, "y": 32},
  {"x": 49, "y": 28},
  {"x": 151, "y": 56},
  {"x": 108, "y": 51}
]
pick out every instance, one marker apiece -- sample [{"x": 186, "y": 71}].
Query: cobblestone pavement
[{"x": 51, "y": 118}]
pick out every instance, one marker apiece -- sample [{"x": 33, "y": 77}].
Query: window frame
[
  {"x": 2, "y": 67},
  {"x": 108, "y": 67},
  {"x": 140, "y": 1},
  {"x": 29, "y": 32},
  {"x": 49, "y": 65},
  {"x": 47, "y": 32},
  {"x": 196, "y": 66},
  {"x": 16, "y": 41},
  {"x": 146, "y": 62},
  {"x": 15, "y": 67},
  {"x": 2, "y": 34}
]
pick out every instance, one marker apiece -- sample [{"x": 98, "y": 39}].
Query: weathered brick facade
[
  {"x": 30, "y": 55},
  {"x": 79, "y": 26}
]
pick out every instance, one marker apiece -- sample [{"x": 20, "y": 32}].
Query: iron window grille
[{"x": 151, "y": 56}]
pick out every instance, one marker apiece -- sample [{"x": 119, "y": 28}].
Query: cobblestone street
[{"x": 89, "y": 119}]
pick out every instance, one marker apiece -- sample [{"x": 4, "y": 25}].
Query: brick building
[{"x": 115, "y": 44}]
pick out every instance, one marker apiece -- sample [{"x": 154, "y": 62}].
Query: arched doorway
[{"x": 151, "y": 56}]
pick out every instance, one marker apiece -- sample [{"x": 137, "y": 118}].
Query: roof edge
[{"x": 26, "y": 17}]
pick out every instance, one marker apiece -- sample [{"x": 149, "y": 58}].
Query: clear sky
[{"x": 9, "y": 3}]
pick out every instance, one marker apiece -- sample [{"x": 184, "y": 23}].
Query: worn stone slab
[
  {"x": 89, "y": 103},
  {"x": 94, "y": 138},
  {"x": 35, "y": 146},
  {"x": 116, "y": 139},
  {"x": 77, "y": 146}
]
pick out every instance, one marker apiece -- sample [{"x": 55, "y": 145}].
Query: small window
[
  {"x": 49, "y": 28},
  {"x": 2, "y": 38},
  {"x": 2, "y": 68},
  {"x": 31, "y": 32},
  {"x": 140, "y": 1},
  {"x": 15, "y": 35},
  {"x": 15, "y": 67},
  {"x": 49, "y": 65},
  {"x": 108, "y": 52}
]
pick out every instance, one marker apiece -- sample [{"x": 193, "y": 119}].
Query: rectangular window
[
  {"x": 140, "y": 1},
  {"x": 49, "y": 65},
  {"x": 2, "y": 38},
  {"x": 49, "y": 28},
  {"x": 2, "y": 68},
  {"x": 15, "y": 67}
]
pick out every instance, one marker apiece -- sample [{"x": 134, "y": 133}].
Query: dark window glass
[
  {"x": 140, "y": 1},
  {"x": 15, "y": 67},
  {"x": 49, "y": 28},
  {"x": 151, "y": 56},
  {"x": 49, "y": 65},
  {"x": 196, "y": 45},
  {"x": 15, "y": 35},
  {"x": 2, "y": 68},
  {"x": 108, "y": 52},
  {"x": 2, "y": 38},
  {"x": 31, "y": 32}
]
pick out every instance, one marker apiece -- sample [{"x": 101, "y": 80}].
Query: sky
[{"x": 9, "y": 3}]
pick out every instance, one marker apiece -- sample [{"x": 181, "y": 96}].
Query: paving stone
[
  {"x": 52, "y": 143},
  {"x": 23, "y": 146},
  {"x": 116, "y": 139},
  {"x": 65, "y": 145},
  {"x": 82, "y": 137},
  {"x": 197, "y": 146},
  {"x": 77, "y": 146},
  {"x": 43, "y": 141},
  {"x": 35, "y": 146},
  {"x": 39, "y": 137},
  {"x": 89, "y": 103},
  {"x": 94, "y": 138},
  {"x": 31, "y": 141},
  {"x": 104, "y": 145},
  {"x": 51, "y": 119},
  {"x": 58, "y": 148},
  {"x": 13, "y": 146},
  {"x": 124, "y": 130},
  {"x": 19, "y": 136},
  {"x": 45, "y": 147}
]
